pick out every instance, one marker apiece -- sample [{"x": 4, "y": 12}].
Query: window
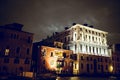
[
  {"x": 64, "y": 55},
  {"x": 29, "y": 40},
  {"x": 81, "y": 57},
  {"x": 68, "y": 38},
  {"x": 75, "y": 47},
  {"x": 98, "y": 66},
  {"x": 16, "y": 60},
  {"x": 87, "y": 58},
  {"x": 65, "y": 39},
  {"x": 17, "y": 37},
  {"x": 28, "y": 51},
  {"x": 11, "y": 35},
  {"x": 14, "y": 36},
  {"x": 21, "y": 69},
  {"x": 106, "y": 67},
  {"x": 71, "y": 63},
  {"x": 90, "y": 49},
  {"x": 91, "y": 66},
  {"x": 80, "y": 29},
  {"x": 87, "y": 67},
  {"x": 93, "y": 50},
  {"x": 7, "y": 52},
  {"x": 81, "y": 65},
  {"x": 68, "y": 47},
  {"x": 6, "y": 60},
  {"x": 90, "y": 58},
  {"x": 92, "y": 38},
  {"x": 75, "y": 66},
  {"x": 106, "y": 60},
  {"x": 26, "y": 61},
  {"x": 43, "y": 61},
  {"x": 51, "y": 54},
  {"x": 86, "y": 48},
  {"x": 18, "y": 50}
]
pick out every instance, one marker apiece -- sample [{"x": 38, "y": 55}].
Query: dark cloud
[{"x": 43, "y": 17}]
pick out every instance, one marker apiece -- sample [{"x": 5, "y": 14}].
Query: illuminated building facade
[
  {"x": 83, "y": 39},
  {"x": 52, "y": 59},
  {"x": 15, "y": 49},
  {"x": 89, "y": 45}
]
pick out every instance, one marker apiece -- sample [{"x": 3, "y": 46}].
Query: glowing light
[
  {"x": 110, "y": 68},
  {"x": 7, "y": 52}
]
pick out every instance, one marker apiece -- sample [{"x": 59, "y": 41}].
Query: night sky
[{"x": 43, "y": 17}]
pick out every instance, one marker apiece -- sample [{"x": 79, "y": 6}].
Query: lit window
[{"x": 7, "y": 52}]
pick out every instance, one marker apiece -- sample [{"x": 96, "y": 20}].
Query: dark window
[
  {"x": 98, "y": 66},
  {"x": 51, "y": 54},
  {"x": 88, "y": 68},
  {"x": 16, "y": 60},
  {"x": 6, "y": 60},
  {"x": 27, "y": 61},
  {"x": 29, "y": 40},
  {"x": 101, "y": 60},
  {"x": 64, "y": 55},
  {"x": 68, "y": 47},
  {"x": 18, "y": 50},
  {"x": 106, "y": 60},
  {"x": 117, "y": 59},
  {"x": 81, "y": 57},
  {"x": 98, "y": 60},
  {"x": 21, "y": 69},
  {"x": 87, "y": 58},
  {"x": 90, "y": 58},
  {"x": 80, "y": 29},
  {"x": 14, "y": 36},
  {"x": 11, "y": 35},
  {"x": 91, "y": 66},
  {"x": 82, "y": 66},
  {"x": 68, "y": 38},
  {"x": 4, "y": 68},
  {"x": 106, "y": 67},
  {"x": 93, "y": 50},
  {"x": 17, "y": 37},
  {"x": 75, "y": 46},
  {"x": 28, "y": 50},
  {"x": 43, "y": 61},
  {"x": 65, "y": 39}
]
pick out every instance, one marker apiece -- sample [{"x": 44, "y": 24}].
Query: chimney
[
  {"x": 66, "y": 28},
  {"x": 74, "y": 24},
  {"x": 85, "y": 24},
  {"x": 91, "y": 26}
]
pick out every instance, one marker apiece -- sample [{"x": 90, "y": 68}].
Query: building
[
  {"x": 116, "y": 58},
  {"x": 88, "y": 44},
  {"x": 15, "y": 49},
  {"x": 55, "y": 60},
  {"x": 52, "y": 59}
]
